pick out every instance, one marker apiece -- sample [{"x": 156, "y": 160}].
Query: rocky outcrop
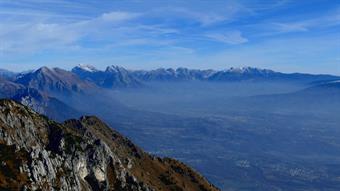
[{"x": 39, "y": 154}]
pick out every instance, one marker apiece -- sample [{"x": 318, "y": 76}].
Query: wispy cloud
[
  {"x": 302, "y": 25},
  {"x": 31, "y": 37},
  {"x": 118, "y": 16},
  {"x": 35, "y": 35},
  {"x": 233, "y": 37},
  {"x": 164, "y": 32},
  {"x": 205, "y": 19},
  {"x": 204, "y": 13},
  {"x": 143, "y": 42},
  {"x": 290, "y": 27},
  {"x": 158, "y": 29}
]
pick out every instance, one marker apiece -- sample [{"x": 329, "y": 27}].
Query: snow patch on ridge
[{"x": 87, "y": 67}]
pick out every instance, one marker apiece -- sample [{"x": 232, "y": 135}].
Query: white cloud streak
[
  {"x": 233, "y": 37},
  {"x": 302, "y": 25},
  {"x": 34, "y": 36}
]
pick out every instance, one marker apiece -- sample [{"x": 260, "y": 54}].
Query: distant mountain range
[
  {"x": 41, "y": 88},
  {"x": 255, "y": 74},
  {"x": 115, "y": 76},
  {"x": 84, "y": 77},
  {"x": 62, "y": 94},
  {"x": 120, "y": 77}
]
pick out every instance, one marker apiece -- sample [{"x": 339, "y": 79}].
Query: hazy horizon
[{"x": 148, "y": 69}]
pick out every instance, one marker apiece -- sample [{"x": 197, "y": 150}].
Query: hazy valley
[{"x": 242, "y": 128}]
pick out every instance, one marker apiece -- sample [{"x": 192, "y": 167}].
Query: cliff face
[{"x": 85, "y": 154}]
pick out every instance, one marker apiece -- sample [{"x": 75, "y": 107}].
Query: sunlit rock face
[{"x": 39, "y": 154}]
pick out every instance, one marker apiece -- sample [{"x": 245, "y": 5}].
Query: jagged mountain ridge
[
  {"x": 112, "y": 77},
  {"x": 83, "y": 78},
  {"x": 179, "y": 74},
  {"x": 84, "y": 154},
  {"x": 54, "y": 80},
  {"x": 129, "y": 77}
]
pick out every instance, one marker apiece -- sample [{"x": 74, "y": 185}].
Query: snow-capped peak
[
  {"x": 114, "y": 68},
  {"x": 87, "y": 67},
  {"x": 247, "y": 70}
]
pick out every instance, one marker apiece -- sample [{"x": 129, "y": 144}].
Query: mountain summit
[
  {"x": 85, "y": 154},
  {"x": 112, "y": 77},
  {"x": 54, "y": 80},
  {"x": 85, "y": 67}
]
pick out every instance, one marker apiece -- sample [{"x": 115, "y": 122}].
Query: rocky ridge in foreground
[{"x": 39, "y": 154}]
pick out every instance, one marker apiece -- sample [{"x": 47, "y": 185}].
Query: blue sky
[{"x": 284, "y": 35}]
